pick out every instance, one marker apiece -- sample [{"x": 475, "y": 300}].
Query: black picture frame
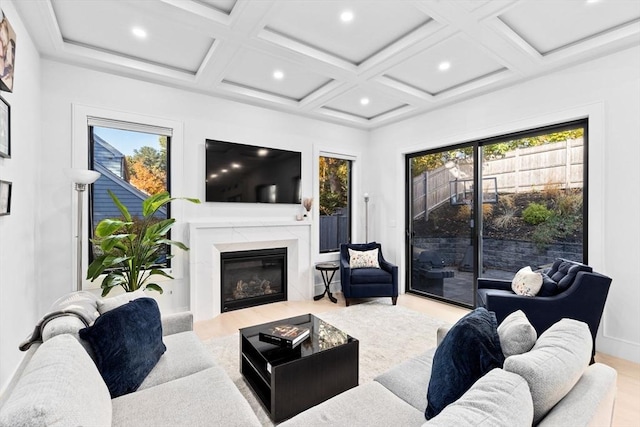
[
  {"x": 5, "y": 129},
  {"x": 5, "y": 198}
]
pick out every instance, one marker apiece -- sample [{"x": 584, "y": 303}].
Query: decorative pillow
[
  {"x": 110, "y": 303},
  {"x": 363, "y": 259},
  {"x": 555, "y": 363},
  {"x": 526, "y": 282},
  {"x": 470, "y": 349},
  {"x": 60, "y": 386},
  {"x": 127, "y": 343},
  {"x": 516, "y": 334}
]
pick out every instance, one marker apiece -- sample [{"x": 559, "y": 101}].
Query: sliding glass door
[
  {"x": 531, "y": 209},
  {"x": 441, "y": 226}
]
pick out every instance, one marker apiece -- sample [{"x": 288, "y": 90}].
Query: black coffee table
[{"x": 289, "y": 381}]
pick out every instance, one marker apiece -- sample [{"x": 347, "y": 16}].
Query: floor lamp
[
  {"x": 366, "y": 217},
  {"x": 81, "y": 178}
]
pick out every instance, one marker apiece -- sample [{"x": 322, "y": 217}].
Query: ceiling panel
[
  {"x": 561, "y": 23},
  {"x": 255, "y": 70},
  {"x": 225, "y": 6},
  {"x": 351, "y": 103},
  {"x": 375, "y": 25},
  {"x": 389, "y": 52},
  {"x": 466, "y": 63},
  {"x": 101, "y": 26}
]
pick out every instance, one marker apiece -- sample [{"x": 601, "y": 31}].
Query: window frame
[
  {"x": 350, "y": 204},
  {"x": 131, "y": 127},
  {"x": 80, "y": 116}
]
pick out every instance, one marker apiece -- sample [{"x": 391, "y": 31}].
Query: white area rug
[{"x": 388, "y": 335}]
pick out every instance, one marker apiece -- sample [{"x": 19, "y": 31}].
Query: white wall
[
  {"x": 19, "y": 287},
  {"x": 71, "y": 93},
  {"x": 608, "y": 92}
]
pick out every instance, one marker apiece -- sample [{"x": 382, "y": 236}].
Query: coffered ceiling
[{"x": 360, "y": 63}]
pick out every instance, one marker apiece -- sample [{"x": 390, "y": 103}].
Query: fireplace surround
[{"x": 209, "y": 239}]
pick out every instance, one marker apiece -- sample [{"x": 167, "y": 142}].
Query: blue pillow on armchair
[
  {"x": 127, "y": 342},
  {"x": 470, "y": 349}
]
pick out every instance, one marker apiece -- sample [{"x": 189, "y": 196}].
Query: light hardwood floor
[{"x": 627, "y": 407}]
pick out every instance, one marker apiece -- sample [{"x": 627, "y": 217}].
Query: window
[
  {"x": 335, "y": 203},
  {"x": 133, "y": 161},
  {"x": 532, "y": 208}
]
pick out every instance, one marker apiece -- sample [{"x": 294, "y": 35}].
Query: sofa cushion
[
  {"x": 549, "y": 286},
  {"x": 107, "y": 304},
  {"x": 127, "y": 343},
  {"x": 205, "y": 398},
  {"x": 564, "y": 273},
  {"x": 498, "y": 399},
  {"x": 409, "y": 379},
  {"x": 59, "y": 387},
  {"x": 363, "y": 259},
  {"x": 554, "y": 364},
  {"x": 526, "y": 282},
  {"x": 470, "y": 349},
  {"x": 517, "y": 334},
  {"x": 367, "y": 276},
  {"x": 185, "y": 355},
  {"x": 369, "y": 404}
]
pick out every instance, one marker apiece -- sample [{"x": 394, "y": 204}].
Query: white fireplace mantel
[{"x": 207, "y": 239}]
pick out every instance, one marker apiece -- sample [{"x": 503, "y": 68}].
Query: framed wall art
[
  {"x": 5, "y": 128},
  {"x": 7, "y": 53},
  {"x": 5, "y": 198}
]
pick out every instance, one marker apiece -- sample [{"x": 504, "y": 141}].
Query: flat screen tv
[{"x": 251, "y": 174}]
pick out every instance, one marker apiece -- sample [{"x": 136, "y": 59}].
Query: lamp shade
[{"x": 83, "y": 176}]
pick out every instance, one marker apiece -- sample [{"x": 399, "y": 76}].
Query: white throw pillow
[
  {"x": 363, "y": 259},
  {"x": 110, "y": 303},
  {"x": 516, "y": 333},
  {"x": 526, "y": 282}
]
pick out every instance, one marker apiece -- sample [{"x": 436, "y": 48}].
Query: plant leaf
[
  {"x": 174, "y": 243},
  {"x": 123, "y": 209},
  {"x": 160, "y": 273},
  {"x": 151, "y": 204},
  {"x": 160, "y": 228},
  {"x": 108, "y": 226},
  {"x": 154, "y": 287}
]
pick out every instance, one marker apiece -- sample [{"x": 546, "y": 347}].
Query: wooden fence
[
  {"x": 334, "y": 229},
  {"x": 521, "y": 170}
]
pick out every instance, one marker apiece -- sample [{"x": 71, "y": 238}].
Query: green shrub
[{"x": 536, "y": 213}]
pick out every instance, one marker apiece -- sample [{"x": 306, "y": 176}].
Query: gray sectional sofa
[
  {"x": 58, "y": 384},
  {"x": 550, "y": 385},
  {"x": 545, "y": 381}
]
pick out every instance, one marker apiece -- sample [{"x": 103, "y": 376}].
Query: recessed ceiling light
[
  {"x": 235, "y": 165},
  {"x": 278, "y": 75},
  {"x": 444, "y": 65},
  {"x": 592, "y": 1},
  {"x": 224, "y": 170},
  {"x": 213, "y": 175},
  {"x": 139, "y": 32},
  {"x": 346, "y": 16},
  {"x": 263, "y": 152},
  {"x": 364, "y": 101}
]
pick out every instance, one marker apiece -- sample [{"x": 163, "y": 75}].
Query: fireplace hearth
[{"x": 253, "y": 277}]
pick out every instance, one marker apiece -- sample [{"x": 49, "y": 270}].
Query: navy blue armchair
[
  {"x": 580, "y": 293},
  {"x": 367, "y": 282}
]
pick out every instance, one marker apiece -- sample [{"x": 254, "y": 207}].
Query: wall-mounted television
[{"x": 251, "y": 174}]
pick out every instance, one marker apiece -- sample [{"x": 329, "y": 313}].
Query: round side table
[{"x": 325, "y": 268}]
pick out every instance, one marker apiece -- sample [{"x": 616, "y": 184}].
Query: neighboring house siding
[{"x": 108, "y": 156}]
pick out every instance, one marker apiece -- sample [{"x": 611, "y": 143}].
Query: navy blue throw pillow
[
  {"x": 549, "y": 287},
  {"x": 470, "y": 349},
  {"x": 127, "y": 342}
]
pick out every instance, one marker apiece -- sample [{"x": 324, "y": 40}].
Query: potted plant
[{"x": 130, "y": 250}]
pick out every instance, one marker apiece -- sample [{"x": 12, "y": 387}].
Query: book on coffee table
[{"x": 285, "y": 335}]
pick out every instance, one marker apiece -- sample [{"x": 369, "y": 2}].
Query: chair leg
[
  {"x": 394, "y": 300},
  {"x": 346, "y": 300}
]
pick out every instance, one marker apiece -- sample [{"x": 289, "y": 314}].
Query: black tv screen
[{"x": 251, "y": 174}]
